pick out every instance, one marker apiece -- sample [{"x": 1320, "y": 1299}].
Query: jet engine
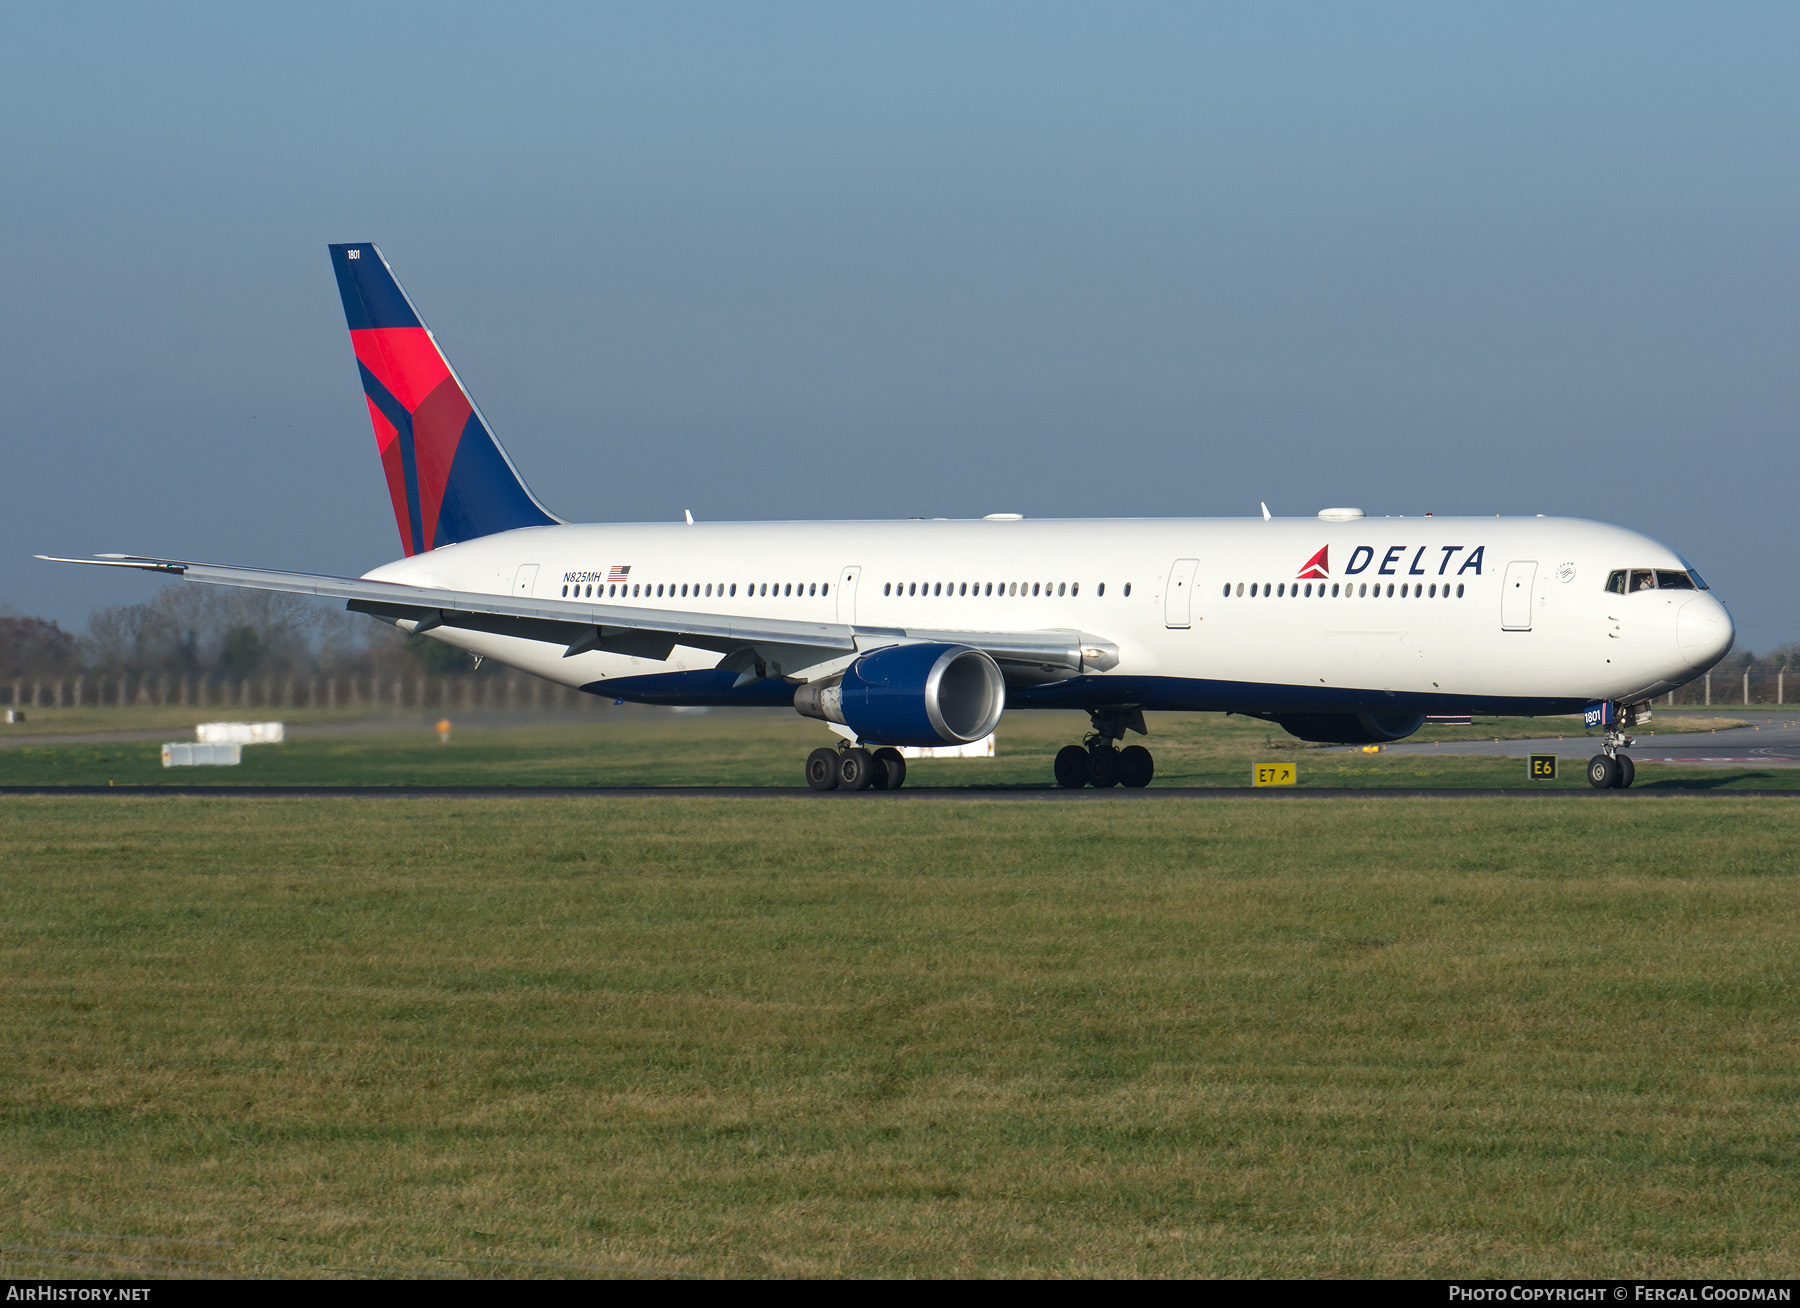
[
  {"x": 1349, "y": 728},
  {"x": 922, "y": 695}
]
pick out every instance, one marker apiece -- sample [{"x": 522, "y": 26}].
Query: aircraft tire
[
  {"x": 821, "y": 769},
  {"x": 1627, "y": 772},
  {"x": 1071, "y": 767},
  {"x": 1136, "y": 767},
  {"x": 1103, "y": 767},
  {"x": 1602, "y": 772},
  {"x": 893, "y": 768},
  {"x": 856, "y": 769}
]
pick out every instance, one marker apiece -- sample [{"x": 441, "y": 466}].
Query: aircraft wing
[{"x": 751, "y": 644}]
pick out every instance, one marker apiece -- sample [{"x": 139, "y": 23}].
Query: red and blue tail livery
[{"x": 448, "y": 477}]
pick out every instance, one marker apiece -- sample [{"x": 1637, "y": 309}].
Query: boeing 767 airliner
[{"x": 1337, "y": 628}]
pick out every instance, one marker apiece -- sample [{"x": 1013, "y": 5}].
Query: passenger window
[
  {"x": 1615, "y": 581},
  {"x": 1060, "y": 588},
  {"x": 1459, "y": 590},
  {"x": 1642, "y": 580},
  {"x": 1334, "y": 590},
  {"x": 1281, "y": 590},
  {"x": 1100, "y": 591},
  {"x": 734, "y": 590},
  {"x": 1128, "y": 590},
  {"x": 1673, "y": 581},
  {"x": 1253, "y": 590},
  {"x": 1074, "y": 589}
]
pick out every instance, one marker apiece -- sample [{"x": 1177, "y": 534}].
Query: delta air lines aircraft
[{"x": 1337, "y": 628}]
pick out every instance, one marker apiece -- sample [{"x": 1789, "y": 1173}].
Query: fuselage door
[
  {"x": 525, "y": 579},
  {"x": 1178, "y": 600},
  {"x": 1515, "y": 597},
  {"x": 846, "y": 595}
]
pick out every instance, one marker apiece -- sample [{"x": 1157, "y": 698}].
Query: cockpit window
[
  {"x": 1615, "y": 581},
  {"x": 1699, "y": 582},
  {"x": 1674, "y": 581},
  {"x": 1642, "y": 579}
]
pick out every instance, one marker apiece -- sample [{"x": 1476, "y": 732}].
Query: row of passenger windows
[
  {"x": 1622, "y": 582},
  {"x": 620, "y": 590},
  {"x": 1352, "y": 590},
  {"x": 986, "y": 588}
]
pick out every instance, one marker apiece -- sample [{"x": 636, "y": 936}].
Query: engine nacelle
[
  {"x": 912, "y": 695},
  {"x": 1349, "y": 728}
]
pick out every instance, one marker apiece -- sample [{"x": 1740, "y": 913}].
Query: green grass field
[
  {"x": 646, "y": 747},
  {"x": 1443, "y": 1037}
]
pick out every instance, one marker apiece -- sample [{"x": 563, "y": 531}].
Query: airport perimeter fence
[
  {"x": 514, "y": 691},
  {"x": 1746, "y": 687}
]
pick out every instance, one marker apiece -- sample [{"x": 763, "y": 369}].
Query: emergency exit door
[
  {"x": 1178, "y": 599},
  {"x": 1515, "y": 597}
]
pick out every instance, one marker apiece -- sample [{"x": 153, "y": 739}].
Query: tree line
[{"x": 211, "y": 634}]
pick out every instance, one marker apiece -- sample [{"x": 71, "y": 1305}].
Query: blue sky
[{"x": 847, "y": 261}]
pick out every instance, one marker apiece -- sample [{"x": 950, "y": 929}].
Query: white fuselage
[{"x": 1437, "y": 614}]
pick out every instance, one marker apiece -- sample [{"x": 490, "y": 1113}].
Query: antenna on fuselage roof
[
  {"x": 1266, "y": 514},
  {"x": 689, "y": 515}
]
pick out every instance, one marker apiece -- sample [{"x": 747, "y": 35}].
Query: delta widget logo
[{"x": 1317, "y": 568}]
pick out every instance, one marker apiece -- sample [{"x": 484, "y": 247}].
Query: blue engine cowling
[{"x": 912, "y": 695}]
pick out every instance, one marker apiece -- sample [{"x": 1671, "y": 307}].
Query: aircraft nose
[{"x": 1703, "y": 631}]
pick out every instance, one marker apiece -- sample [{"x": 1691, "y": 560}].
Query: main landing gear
[
  {"x": 856, "y": 768},
  {"x": 1098, "y": 762}
]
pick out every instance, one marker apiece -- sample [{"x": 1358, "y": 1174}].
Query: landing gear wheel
[
  {"x": 1071, "y": 767},
  {"x": 821, "y": 769},
  {"x": 1103, "y": 767},
  {"x": 1603, "y": 772},
  {"x": 893, "y": 768},
  {"x": 856, "y": 769},
  {"x": 1627, "y": 771},
  {"x": 1136, "y": 767}
]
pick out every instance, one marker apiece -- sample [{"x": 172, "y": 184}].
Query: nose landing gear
[
  {"x": 1098, "y": 762},
  {"x": 1609, "y": 769}
]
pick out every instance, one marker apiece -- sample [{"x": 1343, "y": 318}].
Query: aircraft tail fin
[{"x": 446, "y": 474}]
